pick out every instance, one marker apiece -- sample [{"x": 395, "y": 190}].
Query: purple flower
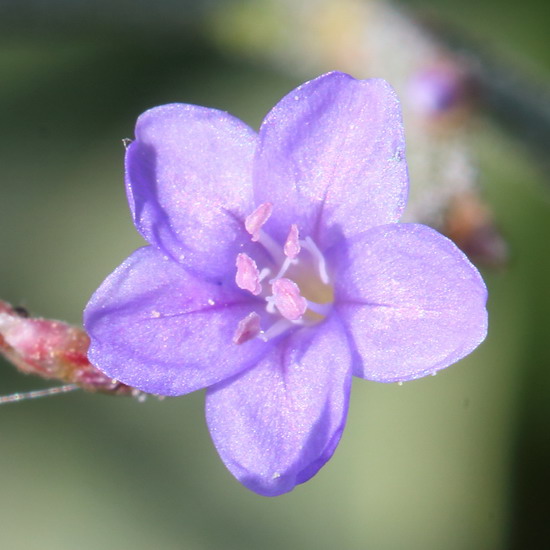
[{"x": 276, "y": 271}]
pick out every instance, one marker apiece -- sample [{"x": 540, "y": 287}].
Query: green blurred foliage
[{"x": 459, "y": 461}]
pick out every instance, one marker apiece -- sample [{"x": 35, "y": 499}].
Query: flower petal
[
  {"x": 412, "y": 301},
  {"x": 155, "y": 327},
  {"x": 275, "y": 425},
  {"x": 331, "y": 159},
  {"x": 188, "y": 180}
]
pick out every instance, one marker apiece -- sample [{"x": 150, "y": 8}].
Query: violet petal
[
  {"x": 412, "y": 301},
  {"x": 275, "y": 425},
  {"x": 188, "y": 180},
  {"x": 161, "y": 330},
  {"x": 331, "y": 158}
]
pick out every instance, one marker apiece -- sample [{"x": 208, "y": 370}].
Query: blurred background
[{"x": 457, "y": 461}]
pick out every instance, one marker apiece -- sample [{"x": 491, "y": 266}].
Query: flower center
[{"x": 295, "y": 285}]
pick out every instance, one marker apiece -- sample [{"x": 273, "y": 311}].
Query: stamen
[
  {"x": 292, "y": 244},
  {"x": 254, "y": 221},
  {"x": 270, "y": 307},
  {"x": 248, "y": 328},
  {"x": 284, "y": 268},
  {"x": 285, "y": 300},
  {"x": 280, "y": 326},
  {"x": 321, "y": 309},
  {"x": 271, "y": 245},
  {"x": 309, "y": 245},
  {"x": 288, "y": 300},
  {"x": 265, "y": 272},
  {"x": 248, "y": 276}
]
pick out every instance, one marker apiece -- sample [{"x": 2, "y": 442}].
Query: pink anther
[
  {"x": 253, "y": 223},
  {"x": 292, "y": 245},
  {"x": 248, "y": 276},
  {"x": 248, "y": 328},
  {"x": 288, "y": 300}
]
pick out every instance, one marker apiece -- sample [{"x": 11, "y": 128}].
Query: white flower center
[{"x": 295, "y": 286}]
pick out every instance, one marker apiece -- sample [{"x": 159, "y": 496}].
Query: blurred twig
[{"x": 517, "y": 101}]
